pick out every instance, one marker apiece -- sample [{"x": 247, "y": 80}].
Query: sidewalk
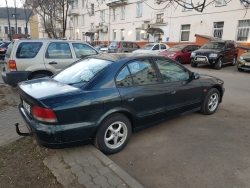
[{"x": 86, "y": 164}]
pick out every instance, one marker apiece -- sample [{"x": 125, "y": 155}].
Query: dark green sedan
[{"x": 103, "y": 98}]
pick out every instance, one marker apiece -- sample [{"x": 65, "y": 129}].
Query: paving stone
[
  {"x": 75, "y": 168},
  {"x": 82, "y": 160},
  {"x": 83, "y": 177},
  {"x": 102, "y": 181},
  {"x": 85, "y": 153},
  {"x": 113, "y": 180},
  {"x": 99, "y": 165},
  {"x": 68, "y": 159},
  {"x": 93, "y": 160},
  {"x": 89, "y": 184},
  {"x": 104, "y": 170},
  {"x": 91, "y": 170},
  {"x": 122, "y": 186}
]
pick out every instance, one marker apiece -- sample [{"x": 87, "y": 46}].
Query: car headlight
[
  {"x": 213, "y": 55},
  {"x": 171, "y": 55},
  {"x": 193, "y": 54},
  {"x": 241, "y": 58}
]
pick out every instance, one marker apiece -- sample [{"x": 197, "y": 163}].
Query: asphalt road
[{"x": 196, "y": 150}]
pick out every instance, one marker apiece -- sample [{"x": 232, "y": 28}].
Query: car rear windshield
[
  {"x": 114, "y": 44},
  {"x": 176, "y": 48},
  {"x": 5, "y": 44},
  {"x": 213, "y": 45},
  {"x": 28, "y": 49},
  {"x": 147, "y": 47},
  {"x": 81, "y": 71}
]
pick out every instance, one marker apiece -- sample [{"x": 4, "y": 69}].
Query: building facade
[
  {"x": 19, "y": 22},
  {"x": 156, "y": 21}
]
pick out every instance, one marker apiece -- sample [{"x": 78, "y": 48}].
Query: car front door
[
  {"x": 141, "y": 91},
  {"x": 183, "y": 93},
  {"x": 186, "y": 52},
  {"x": 156, "y": 49},
  {"x": 57, "y": 56}
]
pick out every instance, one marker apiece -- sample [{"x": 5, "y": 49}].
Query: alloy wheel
[{"x": 213, "y": 102}]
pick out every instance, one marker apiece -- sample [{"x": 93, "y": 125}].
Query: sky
[{"x": 11, "y": 3}]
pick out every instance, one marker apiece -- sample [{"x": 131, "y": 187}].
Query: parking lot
[{"x": 197, "y": 150}]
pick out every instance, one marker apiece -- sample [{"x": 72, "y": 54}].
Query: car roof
[
  {"x": 54, "y": 40},
  {"x": 120, "y": 56}
]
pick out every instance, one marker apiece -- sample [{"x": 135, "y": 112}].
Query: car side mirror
[
  {"x": 228, "y": 49},
  {"x": 196, "y": 75}
]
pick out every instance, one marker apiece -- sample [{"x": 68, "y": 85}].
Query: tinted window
[
  {"x": 124, "y": 44},
  {"x": 5, "y": 44},
  {"x": 142, "y": 72},
  {"x": 189, "y": 48},
  {"x": 163, "y": 47},
  {"x": 28, "y": 49},
  {"x": 156, "y": 47},
  {"x": 83, "y": 50},
  {"x": 213, "y": 45},
  {"x": 58, "y": 50},
  {"x": 81, "y": 71},
  {"x": 124, "y": 78},
  {"x": 171, "y": 71},
  {"x": 130, "y": 45},
  {"x": 196, "y": 47}
]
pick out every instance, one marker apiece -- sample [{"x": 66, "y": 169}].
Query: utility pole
[
  {"x": 15, "y": 17},
  {"x": 8, "y": 15}
]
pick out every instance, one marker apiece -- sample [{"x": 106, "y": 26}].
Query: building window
[
  {"x": 75, "y": 4},
  {"x": 19, "y": 30},
  {"x": 83, "y": 21},
  {"x": 245, "y": 3},
  {"x": 122, "y": 34},
  {"x": 138, "y": 34},
  {"x": 83, "y": 1},
  {"x": 188, "y": 5},
  {"x": 123, "y": 12},
  {"x": 114, "y": 14},
  {"x": 114, "y": 34},
  {"x": 76, "y": 20},
  {"x": 83, "y": 36},
  {"x": 159, "y": 18},
  {"x": 139, "y": 10},
  {"x": 243, "y": 30},
  {"x": 221, "y": 2},
  {"x": 92, "y": 26},
  {"x": 12, "y": 30},
  {"x": 218, "y": 29},
  {"x": 92, "y": 9},
  {"x": 185, "y": 30},
  {"x": 103, "y": 15},
  {"x": 6, "y": 30}
]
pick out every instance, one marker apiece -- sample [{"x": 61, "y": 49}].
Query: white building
[{"x": 153, "y": 21}]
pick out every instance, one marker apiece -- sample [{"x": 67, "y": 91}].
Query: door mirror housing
[{"x": 196, "y": 75}]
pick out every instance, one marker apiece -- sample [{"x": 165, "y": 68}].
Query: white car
[{"x": 152, "y": 48}]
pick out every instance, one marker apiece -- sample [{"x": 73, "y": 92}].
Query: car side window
[
  {"x": 156, "y": 47},
  {"x": 135, "y": 45},
  {"x": 129, "y": 45},
  {"x": 195, "y": 47},
  {"x": 28, "y": 49},
  {"x": 189, "y": 48},
  {"x": 124, "y": 44},
  {"x": 163, "y": 47},
  {"x": 143, "y": 72},
  {"x": 171, "y": 71},
  {"x": 58, "y": 50},
  {"x": 82, "y": 50},
  {"x": 124, "y": 78}
]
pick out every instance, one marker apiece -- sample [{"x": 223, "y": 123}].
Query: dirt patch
[
  {"x": 8, "y": 97},
  {"x": 21, "y": 165}
]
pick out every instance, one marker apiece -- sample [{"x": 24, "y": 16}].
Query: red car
[{"x": 180, "y": 53}]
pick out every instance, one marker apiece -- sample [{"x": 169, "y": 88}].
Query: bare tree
[{"x": 8, "y": 15}]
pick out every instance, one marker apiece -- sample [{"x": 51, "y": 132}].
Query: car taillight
[
  {"x": 12, "y": 65},
  {"x": 44, "y": 114},
  {"x": 119, "y": 45},
  {"x": 2, "y": 49}
]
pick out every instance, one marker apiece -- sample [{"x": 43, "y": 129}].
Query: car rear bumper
[
  {"x": 12, "y": 78},
  {"x": 53, "y": 136}
]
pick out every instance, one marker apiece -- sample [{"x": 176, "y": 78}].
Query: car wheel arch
[
  {"x": 220, "y": 90},
  {"x": 32, "y": 74}
]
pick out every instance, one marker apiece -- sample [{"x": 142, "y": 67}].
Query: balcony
[
  {"x": 113, "y": 3},
  {"x": 59, "y": 19},
  {"x": 75, "y": 12}
]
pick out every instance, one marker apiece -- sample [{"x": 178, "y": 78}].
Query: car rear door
[
  {"x": 183, "y": 94},
  {"x": 163, "y": 48},
  {"x": 155, "y": 50},
  {"x": 82, "y": 50},
  {"x": 57, "y": 56},
  {"x": 141, "y": 91}
]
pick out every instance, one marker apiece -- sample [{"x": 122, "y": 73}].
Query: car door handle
[
  {"x": 131, "y": 99},
  {"x": 53, "y": 62}
]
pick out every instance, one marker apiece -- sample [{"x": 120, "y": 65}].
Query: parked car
[
  {"x": 103, "y": 98},
  {"x": 215, "y": 53},
  {"x": 28, "y": 59},
  {"x": 244, "y": 61},
  {"x": 103, "y": 48},
  {"x": 152, "y": 48},
  {"x": 180, "y": 53},
  {"x": 122, "y": 47},
  {"x": 3, "y": 49}
]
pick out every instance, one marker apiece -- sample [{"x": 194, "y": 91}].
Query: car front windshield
[
  {"x": 213, "y": 45},
  {"x": 176, "y": 48},
  {"x": 81, "y": 71},
  {"x": 114, "y": 44},
  {"x": 147, "y": 47}
]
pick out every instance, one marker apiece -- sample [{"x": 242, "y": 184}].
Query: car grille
[
  {"x": 247, "y": 59},
  {"x": 202, "y": 54}
]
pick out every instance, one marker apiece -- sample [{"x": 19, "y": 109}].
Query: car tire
[
  {"x": 113, "y": 134},
  {"x": 193, "y": 64},
  {"x": 240, "y": 70},
  {"x": 218, "y": 65},
  {"x": 211, "y": 102},
  {"x": 39, "y": 75},
  {"x": 234, "y": 61},
  {"x": 179, "y": 60}
]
